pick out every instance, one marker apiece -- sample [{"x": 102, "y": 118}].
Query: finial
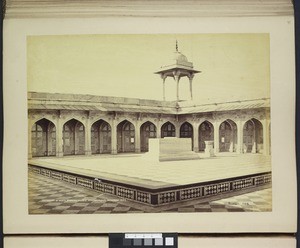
[{"x": 176, "y": 46}]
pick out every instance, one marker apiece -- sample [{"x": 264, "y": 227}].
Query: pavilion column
[
  {"x": 113, "y": 137},
  {"x": 29, "y": 139},
  {"x": 164, "y": 86},
  {"x": 59, "y": 137},
  {"x": 191, "y": 85},
  {"x": 266, "y": 133},
  {"x": 177, "y": 78},
  {"x": 87, "y": 145},
  {"x": 137, "y": 142},
  {"x": 216, "y": 136},
  {"x": 196, "y": 138},
  {"x": 240, "y": 142}
]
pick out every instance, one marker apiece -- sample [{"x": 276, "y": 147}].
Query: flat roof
[{"x": 59, "y": 101}]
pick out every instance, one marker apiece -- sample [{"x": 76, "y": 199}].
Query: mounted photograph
[{"x": 149, "y": 123}]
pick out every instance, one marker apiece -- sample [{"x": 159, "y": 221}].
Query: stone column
[
  {"x": 266, "y": 133},
  {"x": 177, "y": 130},
  {"x": 158, "y": 130},
  {"x": 240, "y": 142},
  {"x": 164, "y": 86},
  {"x": 49, "y": 141},
  {"x": 59, "y": 138},
  {"x": 177, "y": 78},
  {"x": 87, "y": 140},
  {"x": 137, "y": 142},
  {"x": 216, "y": 136},
  {"x": 113, "y": 137},
  {"x": 29, "y": 139},
  {"x": 196, "y": 137},
  {"x": 191, "y": 85}
]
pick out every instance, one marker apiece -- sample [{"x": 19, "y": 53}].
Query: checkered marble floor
[
  {"x": 50, "y": 196},
  {"x": 154, "y": 174}
]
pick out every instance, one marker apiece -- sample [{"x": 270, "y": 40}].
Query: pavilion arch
[
  {"x": 43, "y": 138},
  {"x": 168, "y": 130},
  {"x": 100, "y": 137},
  {"x": 253, "y": 136},
  {"x": 206, "y": 133},
  {"x": 187, "y": 131},
  {"x": 147, "y": 131},
  {"x": 227, "y": 136},
  {"x": 125, "y": 137},
  {"x": 73, "y": 137}
]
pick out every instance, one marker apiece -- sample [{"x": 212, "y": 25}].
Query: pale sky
[{"x": 233, "y": 66}]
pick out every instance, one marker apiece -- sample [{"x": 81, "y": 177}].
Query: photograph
[{"x": 149, "y": 123}]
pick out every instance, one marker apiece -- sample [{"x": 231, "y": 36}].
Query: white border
[{"x": 281, "y": 219}]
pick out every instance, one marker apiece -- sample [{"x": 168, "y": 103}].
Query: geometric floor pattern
[{"x": 50, "y": 196}]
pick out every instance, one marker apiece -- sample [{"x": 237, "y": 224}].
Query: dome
[{"x": 180, "y": 57}]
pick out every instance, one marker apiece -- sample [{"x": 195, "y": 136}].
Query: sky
[{"x": 233, "y": 66}]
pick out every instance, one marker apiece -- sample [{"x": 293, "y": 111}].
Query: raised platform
[{"x": 134, "y": 178}]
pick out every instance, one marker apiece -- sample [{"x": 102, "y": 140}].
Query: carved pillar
[
  {"x": 177, "y": 78},
  {"x": 87, "y": 145},
  {"x": 59, "y": 137},
  {"x": 196, "y": 137},
  {"x": 216, "y": 136},
  {"x": 113, "y": 137},
  {"x": 191, "y": 85},
  {"x": 29, "y": 139},
  {"x": 158, "y": 129},
  {"x": 164, "y": 86},
  {"x": 240, "y": 142},
  {"x": 137, "y": 142}
]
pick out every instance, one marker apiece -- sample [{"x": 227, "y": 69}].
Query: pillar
[
  {"x": 158, "y": 130},
  {"x": 164, "y": 87},
  {"x": 240, "y": 142},
  {"x": 216, "y": 136},
  {"x": 196, "y": 137},
  {"x": 137, "y": 135},
  {"x": 87, "y": 138},
  {"x": 113, "y": 137},
  {"x": 191, "y": 85},
  {"x": 49, "y": 141},
  {"x": 177, "y": 78},
  {"x": 59, "y": 138},
  {"x": 29, "y": 139},
  {"x": 177, "y": 130}
]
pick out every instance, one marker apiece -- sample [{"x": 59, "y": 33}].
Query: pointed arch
[
  {"x": 100, "y": 137},
  {"x": 168, "y": 130},
  {"x": 147, "y": 131},
  {"x": 73, "y": 137},
  {"x": 125, "y": 137},
  {"x": 206, "y": 133},
  {"x": 228, "y": 136},
  {"x": 253, "y": 136},
  {"x": 187, "y": 131},
  {"x": 43, "y": 138}
]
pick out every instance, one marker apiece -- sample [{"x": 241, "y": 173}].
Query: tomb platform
[{"x": 136, "y": 178}]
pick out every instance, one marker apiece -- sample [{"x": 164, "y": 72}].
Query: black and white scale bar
[{"x": 145, "y": 240}]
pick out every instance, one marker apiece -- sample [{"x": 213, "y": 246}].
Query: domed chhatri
[
  {"x": 180, "y": 67},
  {"x": 180, "y": 57}
]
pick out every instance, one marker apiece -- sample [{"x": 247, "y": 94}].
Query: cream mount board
[
  {"x": 16, "y": 218},
  {"x": 190, "y": 242}
]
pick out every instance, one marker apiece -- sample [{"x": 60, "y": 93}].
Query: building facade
[{"x": 68, "y": 124}]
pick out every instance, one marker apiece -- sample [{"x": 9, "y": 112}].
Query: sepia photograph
[{"x": 149, "y": 123}]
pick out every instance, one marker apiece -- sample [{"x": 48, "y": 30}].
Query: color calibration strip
[{"x": 145, "y": 240}]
